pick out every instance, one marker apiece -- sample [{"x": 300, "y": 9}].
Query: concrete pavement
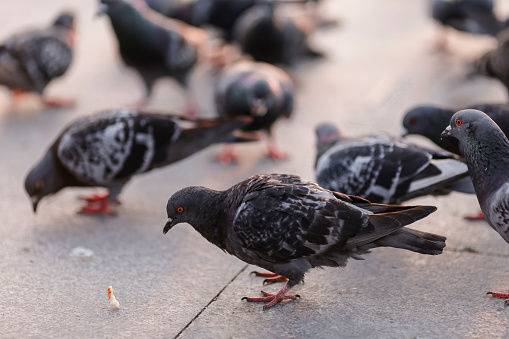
[{"x": 378, "y": 65}]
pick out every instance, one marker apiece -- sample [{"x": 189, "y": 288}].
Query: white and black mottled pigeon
[
  {"x": 486, "y": 151},
  {"x": 30, "y": 60},
  {"x": 259, "y": 90},
  {"x": 154, "y": 45},
  {"x": 288, "y": 225},
  {"x": 108, "y": 148},
  {"x": 384, "y": 170}
]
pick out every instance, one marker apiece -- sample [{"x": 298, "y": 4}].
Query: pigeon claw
[
  {"x": 101, "y": 208},
  {"x": 273, "y": 299},
  {"x": 478, "y": 216}
]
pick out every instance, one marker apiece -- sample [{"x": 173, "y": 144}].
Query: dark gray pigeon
[
  {"x": 429, "y": 121},
  {"x": 31, "y": 59},
  {"x": 108, "y": 148},
  {"x": 384, "y": 170},
  {"x": 486, "y": 151},
  {"x": 155, "y": 46},
  {"x": 258, "y": 90},
  {"x": 288, "y": 225}
]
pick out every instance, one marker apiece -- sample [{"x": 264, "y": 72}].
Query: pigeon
[
  {"x": 287, "y": 225},
  {"x": 155, "y": 46},
  {"x": 429, "y": 121},
  {"x": 495, "y": 63},
  {"x": 268, "y": 35},
  {"x": 471, "y": 16},
  {"x": 108, "y": 148},
  {"x": 384, "y": 170},
  {"x": 31, "y": 59},
  {"x": 487, "y": 154},
  {"x": 259, "y": 90}
]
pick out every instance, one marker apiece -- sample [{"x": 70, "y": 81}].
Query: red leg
[
  {"x": 271, "y": 277},
  {"x": 479, "y": 216},
  {"x": 101, "y": 207},
  {"x": 500, "y": 295},
  {"x": 275, "y": 153},
  {"x": 94, "y": 198},
  {"x": 59, "y": 102},
  {"x": 227, "y": 156},
  {"x": 273, "y": 299}
]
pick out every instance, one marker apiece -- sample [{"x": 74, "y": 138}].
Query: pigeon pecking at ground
[
  {"x": 429, "y": 121},
  {"x": 486, "y": 151},
  {"x": 269, "y": 35},
  {"x": 155, "y": 46},
  {"x": 259, "y": 90},
  {"x": 288, "y": 226},
  {"x": 384, "y": 170},
  {"x": 108, "y": 148},
  {"x": 472, "y": 16},
  {"x": 31, "y": 59}
]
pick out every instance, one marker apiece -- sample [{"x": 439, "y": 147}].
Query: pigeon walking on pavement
[
  {"x": 259, "y": 90},
  {"x": 30, "y": 60},
  {"x": 486, "y": 151},
  {"x": 384, "y": 170},
  {"x": 429, "y": 121},
  {"x": 107, "y": 149},
  {"x": 288, "y": 225},
  {"x": 155, "y": 46}
]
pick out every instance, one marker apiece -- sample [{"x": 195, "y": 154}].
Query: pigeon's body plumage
[
  {"x": 384, "y": 170},
  {"x": 288, "y": 226},
  {"x": 108, "y": 148},
  {"x": 31, "y": 59},
  {"x": 261, "y": 91},
  {"x": 486, "y": 151},
  {"x": 429, "y": 121},
  {"x": 269, "y": 36},
  {"x": 153, "y": 45}
]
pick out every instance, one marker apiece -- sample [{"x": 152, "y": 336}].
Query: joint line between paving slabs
[{"x": 210, "y": 302}]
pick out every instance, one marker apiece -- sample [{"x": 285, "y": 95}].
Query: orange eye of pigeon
[
  {"x": 459, "y": 122},
  {"x": 180, "y": 209},
  {"x": 413, "y": 121}
]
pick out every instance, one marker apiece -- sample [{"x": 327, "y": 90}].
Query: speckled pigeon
[
  {"x": 486, "y": 151},
  {"x": 384, "y": 170},
  {"x": 155, "y": 46},
  {"x": 259, "y": 90},
  {"x": 288, "y": 225},
  {"x": 108, "y": 148},
  {"x": 429, "y": 121},
  {"x": 31, "y": 59}
]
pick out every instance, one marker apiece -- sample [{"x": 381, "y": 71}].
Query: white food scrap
[{"x": 113, "y": 301}]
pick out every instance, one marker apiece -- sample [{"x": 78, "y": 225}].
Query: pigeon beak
[
  {"x": 35, "y": 201},
  {"x": 259, "y": 108},
  {"x": 103, "y": 8},
  {"x": 404, "y": 133},
  {"x": 168, "y": 226},
  {"x": 446, "y": 133}
]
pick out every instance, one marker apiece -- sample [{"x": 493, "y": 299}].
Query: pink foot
[
  {"x": 271, "y": 277},
  {"x": 479, "y": 216},
  {"x": 500, "y": 295},
  {"x": 273, "y": 299},
  {"x": 101, "y": 207},
  {"x": 227, "y": 156},
  {"x": 59, "y": 102},
  {"x": 94, "y": 198},
  {"x": 275, "y": 154}
]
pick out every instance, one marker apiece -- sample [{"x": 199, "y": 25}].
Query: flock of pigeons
[{"x": 280, "y": 222}]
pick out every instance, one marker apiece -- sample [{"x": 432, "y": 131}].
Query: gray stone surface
[{"x": 379, "y": 63}]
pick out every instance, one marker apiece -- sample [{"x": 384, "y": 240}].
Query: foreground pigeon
[
  {"x": 471, "y": 16},
  {"x": 383, "y": 170},
  {"x": 267, "y": 35},
  {"x": 259, "y": 90},
  {"x": 155, "y": 46},
  {"x": 429, "y": 121},
  {"x": 108, "y": 148},
  {"x": 31, "y": 59},
  {"x": 288, "y": 226},
  {"x": 486, "y": 150}
]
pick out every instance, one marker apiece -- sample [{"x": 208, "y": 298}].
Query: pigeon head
[
  {"x": 43, "y": 180},
  {"x": 471, "y": 123},
  {"x": 188, "y": 205},
  {"x": 424, "y": 120},
  {"x": 326, "y": 133},
  {"x": 65, "y": 19}
]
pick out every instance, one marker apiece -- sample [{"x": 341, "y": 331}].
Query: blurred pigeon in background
[
  {"x": 155, "y": 46},
  {"x": 271, "y": 33},
  {"x": 108, "y": 148},
  {"x": 429, "y": 121},
  {"x": 487, "y": 154},
  {"x": 261, "y": 91},
  {"x": 382, "y": 169},
  {"x": 288, "y": 226},
  {"x": 31, "y": 59}
]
